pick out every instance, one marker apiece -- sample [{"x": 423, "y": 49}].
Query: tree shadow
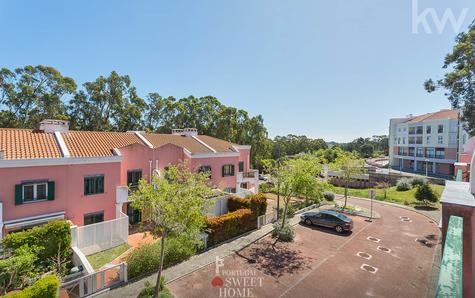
[
  {"x": 425, "y": 207},
  {"x": 275, "y": 260}
]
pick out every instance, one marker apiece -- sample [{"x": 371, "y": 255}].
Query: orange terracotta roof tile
[
  {"x": 28, "y": 144},
  {"x": 192, "y": 145},
  {"x": 217, "y": 144},
  {"x": 443, "y": 114},
  {"x": 97, "y": 144}
]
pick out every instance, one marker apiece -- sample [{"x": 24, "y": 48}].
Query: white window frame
[
  {"x": 35, "y": 191},
  {"x": 440, "y": 139}
]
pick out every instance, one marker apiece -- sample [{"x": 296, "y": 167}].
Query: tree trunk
[
  {"x": 285, "y": 214},
  {"x": 159, "y": 275},
  {"x": 278, "y": 200},
  {"x": 346, "y": 193}
]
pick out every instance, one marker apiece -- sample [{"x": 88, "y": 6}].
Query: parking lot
[{"x": 389, "y": 257}]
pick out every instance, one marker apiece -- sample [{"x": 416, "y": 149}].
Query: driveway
[{"x": 400, "y": 253}]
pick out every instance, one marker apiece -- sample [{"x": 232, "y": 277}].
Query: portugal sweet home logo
[{"x": 235, "y": 283}]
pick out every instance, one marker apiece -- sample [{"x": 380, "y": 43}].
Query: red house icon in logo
[{"x": 217, "y": 282}]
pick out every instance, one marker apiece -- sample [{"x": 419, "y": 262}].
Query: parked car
[
  {"x": 263, "y": 177},
  {"x": 328, "y": 218}
]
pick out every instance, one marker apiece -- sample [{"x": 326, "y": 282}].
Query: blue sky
[{"x": 331, "y": 69}]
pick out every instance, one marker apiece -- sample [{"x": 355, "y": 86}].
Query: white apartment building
[{"x": 427, "y": 144}]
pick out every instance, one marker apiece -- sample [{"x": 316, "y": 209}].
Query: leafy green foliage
[
  {"x": 459, "y": 77},
  {"x": 404, "y": 184},
  {"x": 349, "y": 166},
  {"x": 418, "y": 181},
  {"x": 256, "y": 202},
  {"x": 47, "y": 287},
  {"x": 174, "y": 204},
  {"x": 18, "y": 269},
  {"x": 329, "y": 195},
  {"x": 283, "y": 146},
  {"x": 284, "y": 232},
  {"x": 426, "y": 194},
  {"x": 51, "y": 239},
  {"x": 229, "y": 225},
  {"x": 32, "y": 94},
  {"x": 149, "y": 290},
  {"x": 146, "y": 259},
  {"x": 368, "y": 147}
]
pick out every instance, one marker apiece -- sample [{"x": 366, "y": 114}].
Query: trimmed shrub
[
  {"x": 229, "y": 225},
  {"x": 403, "y": 184},
  {"x": 286, "y": 233},
  {"x": 146, "y": 259},
  {"x": 49, "y": 238},
  {"x": 149, "y": 290},
  {"x": 47, "y": 287},
  {"x": 256, "y": 202},
  {"x": 266, "y": 187},
  {"x": 236, "y": 203},
  {"x": 426, "y": 194},
  {"x": 418, "y": 181},
  {"x": 329, "y": 195}
]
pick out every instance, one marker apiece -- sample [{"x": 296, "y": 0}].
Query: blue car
[{"x": 328, "y": 218}]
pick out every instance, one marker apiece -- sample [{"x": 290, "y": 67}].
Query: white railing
[
  {"x": 95, "y": 282},
  {"x": 266, "y": 219},
  {"x": 101, "y": 236}
]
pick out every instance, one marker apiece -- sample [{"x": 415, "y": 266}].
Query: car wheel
[
  {"x": 338, "y": 229},
  {"x": 308, "y": 222}
]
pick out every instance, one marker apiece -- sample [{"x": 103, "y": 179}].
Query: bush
[
  {"x": 149, "y": 290},
  {"x": 256, "y": 202},
  {"x": 329, "y": 195},
  {"x": 50, "y": 238},
  {"x": 286, "y": 233},
  {"x": 47, "y": 287},
  {"x": 266, "y": 187},
  {"x": 230, "y": 225},
  {"x": 426, "y": 194},
  {"x": 418, "y": 181},
  {"x": 403, "y": 184},
  {"x": 146, "y": 259}
]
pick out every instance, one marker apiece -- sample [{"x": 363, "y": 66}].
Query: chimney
[
  {"x": 51, "y": 126},
  {"x": 188, "y": 132}
]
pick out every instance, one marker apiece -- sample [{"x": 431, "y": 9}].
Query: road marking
[
  {"x": 364, "y": 255},
  {"x": 323, "y": 261},
  {"x": 384, "y": 249},
  {"x": 374, "y": 239},
  {"x": 369, "y": 268}
]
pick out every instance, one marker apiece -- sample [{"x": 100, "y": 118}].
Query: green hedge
[
  {"x": 50, "y": 238},
  {"x": 229, "y": 225},
  {"x": 146, "y": 259},
  {"x": 47, "y": 287},
  {"x": 257, "y": 203}
]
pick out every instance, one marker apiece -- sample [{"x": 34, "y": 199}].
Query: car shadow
[{"x": 326, "y": 230}]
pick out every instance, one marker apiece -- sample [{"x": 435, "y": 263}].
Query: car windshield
[{"x": 342, "y": 217}]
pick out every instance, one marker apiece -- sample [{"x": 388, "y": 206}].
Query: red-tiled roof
[
  {"x": 192, "y": 145},
  {"x": 28, "y": 144},
  {"x": 443, "y": 114},
  {"x": 97, "y": 144}
]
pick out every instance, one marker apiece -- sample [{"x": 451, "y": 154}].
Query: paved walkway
[{"x": 195, "y": 263}]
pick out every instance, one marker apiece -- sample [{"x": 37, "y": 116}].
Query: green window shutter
[
  {"x": 18, "y": 194},
  {"x": 241, "y": 166},
  {"x": 232, "y": 170},
  {"x": 223, "y": 170},
  {"x": 51, "y": 190}
]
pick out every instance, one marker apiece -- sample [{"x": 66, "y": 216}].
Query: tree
[
  {"x": 17, "y": 269},
  {"x": 459, "y": 79},
  {"x": 349, "y": 166},
  {"x": 175, "y": 205},
  {"x": 31, "y": 94},
  {"x": 108, "y": 104},
  {"x": 426, "y": 194}
]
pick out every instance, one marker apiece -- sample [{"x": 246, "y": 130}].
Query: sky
[{"x": 334, "y": 69}]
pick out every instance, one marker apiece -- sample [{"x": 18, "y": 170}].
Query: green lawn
[
  {"x": 99, "y": 259},
  {"x": 393, "y": 195}
]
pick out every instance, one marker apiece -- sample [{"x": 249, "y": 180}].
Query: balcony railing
[
  {"x": 250, "y": 174},
  {"x": 450, "y": 274}
]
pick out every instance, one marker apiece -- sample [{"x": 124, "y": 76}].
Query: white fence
[
  {"x": 218, "y": 206},
  {"x": 101, "y": 236},
  {"x": 266, "y": 219},
  {"x": 95, "y": 282}
]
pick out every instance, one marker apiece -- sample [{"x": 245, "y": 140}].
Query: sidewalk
[{"x": 195, "y": 263}]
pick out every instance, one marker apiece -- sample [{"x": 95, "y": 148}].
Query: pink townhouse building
[{"x": 83, "y": 176}]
